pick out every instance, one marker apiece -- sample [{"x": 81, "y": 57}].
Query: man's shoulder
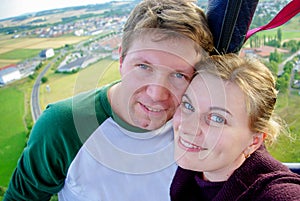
[
  {"x": 80, "y": 104},
  {"x": 72, "y": 119},
  {"x": 74, "y": 112}
]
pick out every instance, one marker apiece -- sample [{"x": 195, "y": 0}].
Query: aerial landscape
[{"x": 52, "y": 55}]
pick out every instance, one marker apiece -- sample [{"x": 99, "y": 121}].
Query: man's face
[{"x": 154, "y": 76}]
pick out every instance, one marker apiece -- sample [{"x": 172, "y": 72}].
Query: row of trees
[
  {"x": 274, "y": 41},
  {"x": 258, "y": 41},
  {"x": 282, "y": 83},
  {"x": 283, "y": 80}
]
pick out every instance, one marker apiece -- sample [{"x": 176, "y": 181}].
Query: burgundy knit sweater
[{"x": 261, "y": 177}]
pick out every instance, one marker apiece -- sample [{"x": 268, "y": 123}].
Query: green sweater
[{"x": 54, "y": 142}]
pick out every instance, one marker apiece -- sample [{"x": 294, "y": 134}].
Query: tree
[
  {"x": 44, "y": 79},
  {"x": 273, "y": 66},
  {"x": 282, "y": 83},
  {"x": 288, "y": 67},
  {"x": 275, "y": 56},
  {"x": 39, "y": 66},
  {"x": 279, "y": 35},
  {"x": 251, "y": 43},
  {"x": 273, "y": 43},
  {"x": 292, "y": 45}
]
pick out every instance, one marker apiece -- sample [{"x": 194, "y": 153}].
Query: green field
[
  {"x": 288, "y": 149},
  {"x": 12, "y": 130},
  {"x": 286, "y": 34},
  {"x": 14, "y": 101},
  {"x": 14, "y": 50},
  {"x": 98, "y": 74},
  {"x": 290, "y": 30},
  {"x": 21, "y": 54}
]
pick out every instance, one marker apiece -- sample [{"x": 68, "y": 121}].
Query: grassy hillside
[
  {"x": 21, "y": 54},
  {"x": 290, "y": 30},
  {"x": 14, "y": 50},
  {"x": 98, "y": 74},
  {"x": 12, "y": 130},
  {"x": 15, "y": 99},
  {"x": 287, "y": 148}
]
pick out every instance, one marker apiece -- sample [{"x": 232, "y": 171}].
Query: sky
[{"x": 12, "y": 8}]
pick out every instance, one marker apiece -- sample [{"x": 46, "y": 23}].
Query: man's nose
[{"x": 158, "y": 92}]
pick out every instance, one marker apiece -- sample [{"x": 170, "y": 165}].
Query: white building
[
  {"x": 47, "y": 53},
  {"x": 79, "y": 63},
  {"x": 79, "y": 32},
  {"x": 9, "y": 74}
]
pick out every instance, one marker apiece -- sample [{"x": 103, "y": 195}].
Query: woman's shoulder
[{"x": 280, "y": 185}]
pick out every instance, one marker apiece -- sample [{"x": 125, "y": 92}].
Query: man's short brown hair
[{"x": 181, "y": 16}]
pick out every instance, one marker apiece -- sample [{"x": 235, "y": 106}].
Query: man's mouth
[{"x": 152, "y": 109}]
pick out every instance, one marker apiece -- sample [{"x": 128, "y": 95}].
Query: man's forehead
[
  {"x": 168, "y": 62},
  {"x": 179, "y": 48}
]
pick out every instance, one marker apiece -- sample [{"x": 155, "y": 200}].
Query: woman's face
[{"x": 211, "y": 127}]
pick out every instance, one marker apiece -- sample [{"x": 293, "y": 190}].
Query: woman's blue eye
[
  {"x": 179, "y": 75},
  {"x": 188, "y": 106},
  {"x": 216, "y": 118}
]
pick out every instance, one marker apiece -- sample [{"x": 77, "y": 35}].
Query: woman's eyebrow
[
  {"x": 187, "y": 97},
  {"x": 220, "y": 108}
]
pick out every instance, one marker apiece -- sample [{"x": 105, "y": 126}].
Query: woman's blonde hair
[
  {"x": 258, "y": 85},
  {"x": 183, "y": 17}
]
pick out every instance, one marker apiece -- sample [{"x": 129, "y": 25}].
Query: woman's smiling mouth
[{"x": 189, "y": 146}]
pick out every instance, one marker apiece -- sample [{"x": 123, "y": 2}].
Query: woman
[{"x": 221, "y": 126}]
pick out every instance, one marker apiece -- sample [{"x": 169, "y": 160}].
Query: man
[{"x": 115, "y": 143}]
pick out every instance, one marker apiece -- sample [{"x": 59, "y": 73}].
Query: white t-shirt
[{"x": 115, "y": 164}]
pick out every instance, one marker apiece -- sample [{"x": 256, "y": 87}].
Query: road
[
  {"x": 34, "y": 102},
  {"x": 281, "y": 66}
]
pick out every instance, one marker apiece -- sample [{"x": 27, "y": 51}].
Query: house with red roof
[
  {"x": 9, "y": 74},
  {"x": 262, "y": 52}
]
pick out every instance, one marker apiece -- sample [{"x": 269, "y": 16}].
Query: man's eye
[
  {"x": 143, "y": 66},
  {"x": 188, "y": 106},
  {"x": 215, "y": 119}
]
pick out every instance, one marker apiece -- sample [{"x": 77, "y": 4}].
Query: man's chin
[
  {"x": 149, "y": 122},
  {"x": 152, "y": 125}
]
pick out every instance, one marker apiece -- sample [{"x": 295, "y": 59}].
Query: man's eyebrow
[
  {"x": 220, "y": 108},
  {"x": 140, "y": 58}
]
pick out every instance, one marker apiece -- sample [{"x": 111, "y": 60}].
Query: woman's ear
[{"x": 257, "y": 141}]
